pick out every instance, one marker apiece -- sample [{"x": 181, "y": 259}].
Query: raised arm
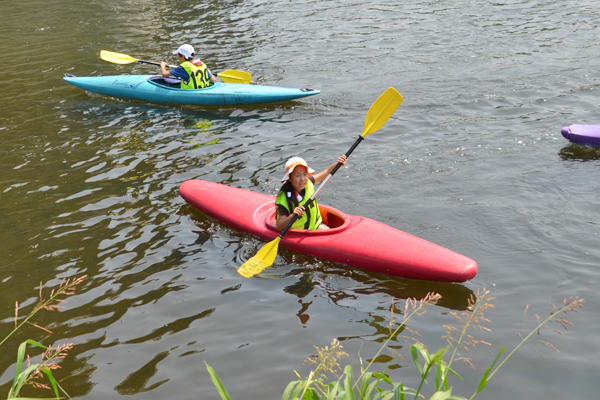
[{"x": 323, "y": 174}]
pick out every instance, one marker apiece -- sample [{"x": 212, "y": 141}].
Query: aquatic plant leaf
[
  {"x": 217, "y": 382},
  {"x": 442, "y": 395},
  {"x": 349, "y": 393},
  {"x": 334, "y": 388},
  {"x": 364, "y": 384},
  {"x": 483, "y": 381},
  {"x": 288, "y": 390},
  {"x": 21, "y": 377},
  {"x": 415, "y": 356},
  {"x": 384, "y": 377},
  {"x": 52, "y": 380}
]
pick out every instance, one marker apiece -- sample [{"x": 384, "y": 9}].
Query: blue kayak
[{"x": 157, "y": 89}]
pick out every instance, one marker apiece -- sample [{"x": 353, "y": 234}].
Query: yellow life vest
[
  {"x": 198, "y": 76},
  {"x": 311, "y": 218}
]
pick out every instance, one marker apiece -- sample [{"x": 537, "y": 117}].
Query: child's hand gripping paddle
[
  {"x": 229, "y": 76},
  {"x": 377, "y": 116}
]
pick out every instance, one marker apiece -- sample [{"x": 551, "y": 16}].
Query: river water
[{"x": 473, "y": 160}]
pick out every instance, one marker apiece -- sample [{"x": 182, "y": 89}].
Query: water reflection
[
  {"x": 301, "y": 289},
  {"x": 353, "y": 288},
  {"x": 137, "y": 382},
  {"x": 576, "y": 152},
  {"x": 343, "y": 285}
]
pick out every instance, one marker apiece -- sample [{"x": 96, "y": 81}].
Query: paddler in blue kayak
[
  {"x": 299, "y": 184},
  {"x": 193, "y": 73}
]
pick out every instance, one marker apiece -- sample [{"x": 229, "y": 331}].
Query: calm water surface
[{"x": 473, "y": 160}]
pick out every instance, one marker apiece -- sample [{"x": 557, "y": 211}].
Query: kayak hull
[
  {"x": 588, "y": 135},
  {"x": 157, "y": 89},
  {"x": 355, "y": 241}
]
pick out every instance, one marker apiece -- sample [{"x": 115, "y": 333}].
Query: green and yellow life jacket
[
  {"x": 287, "y": 197},
  {"x": 198, "y": 76}
]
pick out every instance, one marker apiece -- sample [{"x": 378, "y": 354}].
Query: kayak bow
[{"x": 588, "y": 135}]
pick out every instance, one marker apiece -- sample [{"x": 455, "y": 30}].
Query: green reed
[
  {"x": 378, "y": 386},
  {"x": 33, "y": 373}
]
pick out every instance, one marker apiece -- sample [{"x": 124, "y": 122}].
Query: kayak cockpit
[
  {"x": 330, "y": 216},
  {"x": 171, "y": 83},
  {"x": 167, "y": 82}
]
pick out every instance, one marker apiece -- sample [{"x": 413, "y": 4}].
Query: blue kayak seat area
[{"x": 169, "y": 82}]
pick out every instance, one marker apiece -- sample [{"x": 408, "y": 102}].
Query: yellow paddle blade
[
  {"x": 235, "y": 76},
  {"x": 263, "y": 259},
  {"x": 116, "y": 58},
  {"x": 382, "y": 110}
]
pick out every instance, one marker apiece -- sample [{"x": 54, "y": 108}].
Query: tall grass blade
[
  {"x": 441, "y": 395},
  {"x": 383, "y": 377},
  {"x": 483, "y": 381},
  {"x": 288, "y": 390},
  {"x": 332, "y": 390},
  {"x": 401, "y": 392},
  {"x": 298, "y": 390},
  {"x": 20, "y": 359},
  {"x": 415, "y": 356},
  {"x": 20, "y": 381},
  {"x": 311, "y": 394},
  {"x": 371, "y": 389},
  {"x": 439, "y": 380},
  {"x": 52, "y": 380},
  {"x": 217, "y": 382},
  {"x": 453, "y": 372},
  {"x": 364, "y": 383},
  {"x": 349, "y": 393}
]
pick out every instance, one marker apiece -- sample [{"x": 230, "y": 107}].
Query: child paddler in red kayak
[
  {"x": 299, "y": 184},
  {"x": 193, "y": 73}
]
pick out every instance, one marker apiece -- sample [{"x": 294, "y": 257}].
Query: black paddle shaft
[
  {"x": 308, "y": 203},
  {"x": 360, "y": 139},
  {"x": 155, "y": 63}
]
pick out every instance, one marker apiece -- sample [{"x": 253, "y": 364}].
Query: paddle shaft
[
  {"x": 321, "y": 186},
  {"x": 155, "y": 63},
  {"x": 228, "y": 76}
]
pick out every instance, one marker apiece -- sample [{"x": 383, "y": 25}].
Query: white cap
[
  {"x": 186, "y": 49},
  {"x": 293, "y": 163}
]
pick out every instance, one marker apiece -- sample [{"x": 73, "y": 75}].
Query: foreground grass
[
  {"x": 370, "y": 385},
  {"x": 34, "y": 373}
]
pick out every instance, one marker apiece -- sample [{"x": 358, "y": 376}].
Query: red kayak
[{"x": 355, "y": 241}]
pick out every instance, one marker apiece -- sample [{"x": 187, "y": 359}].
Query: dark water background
[{"x": 473, "y": 160}]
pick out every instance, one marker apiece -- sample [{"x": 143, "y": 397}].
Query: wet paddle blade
[
  {"x": 382, "y": 110},
  {"x": 263, "y": 259},
  {"x": 116, "y": 58},
  {"x": 235, "y": 76}
]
